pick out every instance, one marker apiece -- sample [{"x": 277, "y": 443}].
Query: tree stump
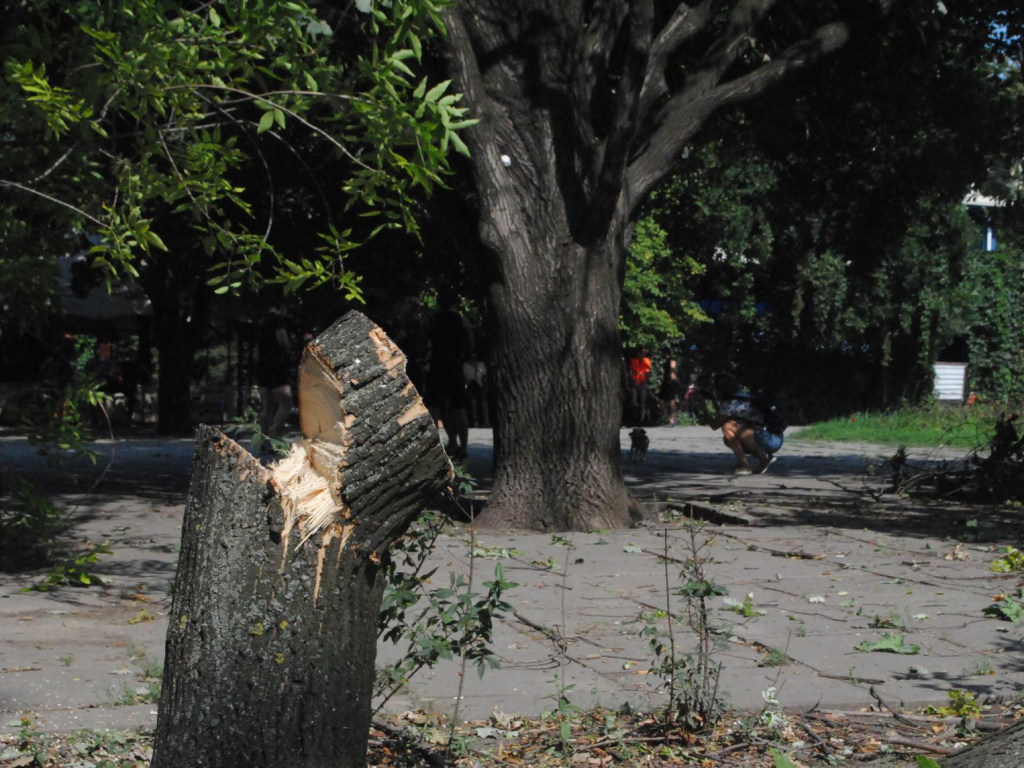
[
  {"x": 1004, "y": 749},
  {"x": 271, "y": 640}
]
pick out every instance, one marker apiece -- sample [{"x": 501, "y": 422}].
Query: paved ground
[{"x": 829, "y": 560}]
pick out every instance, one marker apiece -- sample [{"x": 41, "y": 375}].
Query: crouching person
[
  {"x": 751, "y": 426},
  {"x": 768, "y": 437}
]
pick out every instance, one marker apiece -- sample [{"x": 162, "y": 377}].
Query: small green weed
[
  {"x": 247, "y": 427},
  {"x": 1010, "y": 608},
  {"x": 1013, "y": 561},
  {"x": 73, "y": 571},
  {"x": 886, "y": 622},
  {"x": 745, "y": 608},
  {"x": 128, "y": 695},
  {"x": 773, "y": 657},
  {"x": 30, "y": 525},
  {"x": 961, "y": 704},
  {"x": 431, "y": 622},
  {"x": 981, "y": 668}
]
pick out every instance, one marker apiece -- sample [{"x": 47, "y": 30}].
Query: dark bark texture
[
  {"x": 583, "y": 108},
  {"x": 1000, "y": 750},
  {"x": 272, "y": 638}
]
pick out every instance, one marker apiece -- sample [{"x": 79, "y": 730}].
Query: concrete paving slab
[{"x": 828, "y": 557}]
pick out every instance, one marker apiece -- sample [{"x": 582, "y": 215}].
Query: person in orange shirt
[{"x": 639, "y": 373}]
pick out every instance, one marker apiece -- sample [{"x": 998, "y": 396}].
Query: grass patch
[{"x": 928, "y": 426}]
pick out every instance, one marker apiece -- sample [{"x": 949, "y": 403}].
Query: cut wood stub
[
  {"x": 369, "y": 443},
  {"x": 273, "y": 622}
]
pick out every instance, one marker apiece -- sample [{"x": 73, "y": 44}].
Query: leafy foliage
[
  {"x": 1013, "y": 560},
  {"x": 31, "y": 525},
  {"x": 74, "y": 571},
  {"x": 827, "y": 226},
  {"x": 432, "y": 622},
  {"x": 996, "y": 336},
  {"x": 961, "y": 704},
  {"x": 657, "y": 308},
  {"x": 1010, "y": 608},
  {"x": 130, "y": 120},
  {"x": 690, "y": 677}
]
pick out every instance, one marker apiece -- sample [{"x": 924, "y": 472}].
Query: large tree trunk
[
  {"x": 555, "y": 302},
  {"x": 583, "y": 108},
  {"x": 556, "y": 375},
  {"x": 272, "y": 638}
]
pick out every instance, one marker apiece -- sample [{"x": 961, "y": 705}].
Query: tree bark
[
  {"x": 272, "y": 637},
  {"x": 582, "y": 109},
  {"x": 1000, "y": 750},
  {"x": 557, "y": 393}
]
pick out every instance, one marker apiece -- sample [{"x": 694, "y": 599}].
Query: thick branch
[
  {"x": 610, "y": 163},
  {"x": 680, "y": 118},
  {"x": 684, "y": 24}
]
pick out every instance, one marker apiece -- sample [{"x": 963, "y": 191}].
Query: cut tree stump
[
  {"x": 271, "y": 640},
  {"x": 1004, "y": 749}
]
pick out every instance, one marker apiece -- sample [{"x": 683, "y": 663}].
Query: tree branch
[
  {"x": 680, "y": 118},
  {"x": 684, "y": 24},
  {"x": 612, "y": 155},
  {"x": 57, "y": 200}
]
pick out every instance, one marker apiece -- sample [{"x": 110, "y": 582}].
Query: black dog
[{"x": 639, "y": 442}]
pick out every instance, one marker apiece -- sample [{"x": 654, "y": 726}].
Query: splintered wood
[
  {"x": 310, "y": 498},
  {"x": 308, "y": 479}
]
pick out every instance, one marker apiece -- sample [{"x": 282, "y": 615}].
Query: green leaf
[
  {"x": 434, "y": 93},
  {"x": 889, "y": 643},
  {"x": 266, "y": 122},
  {"x": 400, "y": 66},
  {"x": 460, "y": 124},
  {"x": 459, "y": 144},
  {"x": 154, "y": 239}
]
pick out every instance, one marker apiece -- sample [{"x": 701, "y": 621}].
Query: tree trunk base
[{"x": 272, "y": 636}]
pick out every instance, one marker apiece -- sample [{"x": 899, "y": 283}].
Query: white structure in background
[{"x": 950, "y": 382}]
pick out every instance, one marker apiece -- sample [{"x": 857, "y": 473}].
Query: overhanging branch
[{"x": 685, "y": 112}]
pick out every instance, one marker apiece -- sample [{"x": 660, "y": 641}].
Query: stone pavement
[{"x": 829, "y": 560}]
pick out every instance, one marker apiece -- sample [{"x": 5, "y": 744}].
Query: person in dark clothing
[
  {"x": 274, "y": 371},
  {"x": 450, "y": 349},
  {"x": 670, "y": 390}
]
